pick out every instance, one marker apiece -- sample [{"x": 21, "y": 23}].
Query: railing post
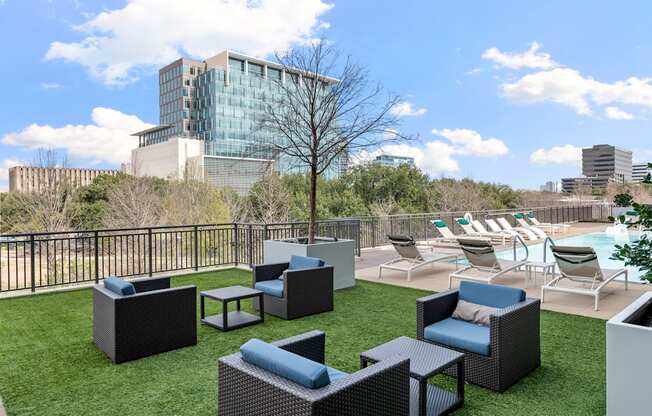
[
  {"x": 250, "y": 245},
  {"x": 96, "y": 250},
  {"x": 196, "y": 247},
  {"x": 32, "y": 262},
  {"x": 149, "y": 250},
  {"x": 373, "y": 231},
  {"x": 236, "y": 246}
]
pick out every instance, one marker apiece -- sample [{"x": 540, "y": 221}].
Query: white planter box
[
  {"x": 339, "y": 254},
  {"x": 618, "y": 211},
  {"x": 629, "y": 366}
]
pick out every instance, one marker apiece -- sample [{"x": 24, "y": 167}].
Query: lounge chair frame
[
  {"x": 409, "y": 253},
  {"x": 490, "y": 267},
  {"x": 597, "y": 281}
]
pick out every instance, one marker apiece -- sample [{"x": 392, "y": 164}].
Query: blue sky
[{"x": 502, "y": 91}]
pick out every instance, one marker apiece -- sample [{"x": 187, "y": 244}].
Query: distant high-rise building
[
  {"x": 393, "y": 160},
  {"x": 606, "y": 162},
  {"x": 640, "y": 171},
  {"x": 551, "y": 186},
  {"x": 220, "y": 102},
  {"x": 35, "y": 179}
]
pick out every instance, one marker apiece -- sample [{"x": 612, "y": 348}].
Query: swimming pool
[{"x": 602, "y": 243}]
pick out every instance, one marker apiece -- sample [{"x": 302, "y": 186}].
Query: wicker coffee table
[
  {"x": 227, "y": 321},
  {"x": 426, "y": 360}
]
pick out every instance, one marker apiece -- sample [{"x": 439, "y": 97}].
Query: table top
[
  {"x": 230, "y": 293},
  {"x": 426, "y": 359},
  {"x": 534, "y": 263}
]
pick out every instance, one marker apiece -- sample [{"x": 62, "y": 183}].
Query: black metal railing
[{"x": 39, "y": 260}]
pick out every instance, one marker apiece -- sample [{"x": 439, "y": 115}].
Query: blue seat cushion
[
  {"x": 334, "y": 374},
  {"x": 285, "y": 364},
  {"x": 271, "y": 287},
  {"x": 459, "y": 334},
  {"x": 302, "y": 262},
  {"x": 119, "y": 286},
  {"x": 496, "y": 296}
]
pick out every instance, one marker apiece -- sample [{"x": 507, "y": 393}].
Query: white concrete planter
[
  {"x": 628, "y": 360},
  {"x": 618, "y": 211},
  {"x": 339, "y": 254}
]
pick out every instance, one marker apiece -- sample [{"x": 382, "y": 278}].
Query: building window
[
  {"x": 273, "y": 73},
  {"x": 236, "y": 65}
]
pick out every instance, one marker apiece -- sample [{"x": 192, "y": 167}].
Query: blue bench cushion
[
  {"x": 334, "y": 374},
  {"x": 302, "y": 262},
  {"x": 119, "y": 286},
  {"x": 459, "y": 334},
  {"x": 496, "y": 296},
  {"x": 271, "y": 287},
  {"x": 285, "y": 364}
]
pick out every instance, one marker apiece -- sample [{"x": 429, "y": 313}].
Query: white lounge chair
[
  {"x": 483, "y": 266},
  {"x": 447, "y": 239},
  {"x": 580, "y": 264},
  {"x": 493, "y": 225},
  {"x": 468, "y": 229},
  {"x": 505, "y": 225},
  {"x": 520, "y": 219},
  {"x": 546, "y": 225},
  {"x": 410, "y": 258}
]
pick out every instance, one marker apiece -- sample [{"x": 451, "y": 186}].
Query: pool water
[{"x": 602, "y": 243}]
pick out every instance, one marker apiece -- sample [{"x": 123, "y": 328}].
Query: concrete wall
[{"x": 166, "y": 159}]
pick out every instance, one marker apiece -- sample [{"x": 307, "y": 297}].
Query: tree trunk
[{"x": 312, "y": 219}]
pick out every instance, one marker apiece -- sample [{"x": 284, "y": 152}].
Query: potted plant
[{"x": 319, "y": 117}]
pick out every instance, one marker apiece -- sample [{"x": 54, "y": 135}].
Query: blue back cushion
[
  {"x": 283, "y": 363},
  {"x": 119, "y": 286},
  {"x": 302, "y": 262},
  {"x": 496, "y": 296}
]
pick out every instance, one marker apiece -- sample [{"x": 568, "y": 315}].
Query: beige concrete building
[{"x": 33, "y": 179}]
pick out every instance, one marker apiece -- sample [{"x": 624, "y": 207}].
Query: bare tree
[
  {"x": 325, "y": 108},
  {"x": 48, "y": 203},
  {"x": 134, "y": 202},
  {"x": 270, "y": 200},
  {"x": 237, "y": 205},
  {"x": 384, "y": 207}
]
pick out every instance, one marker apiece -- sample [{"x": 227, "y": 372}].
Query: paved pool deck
[{"x": 613, "y": 299}]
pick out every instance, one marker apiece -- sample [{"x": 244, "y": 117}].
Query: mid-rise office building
[
  {"x": 640, "y": 171},
  {"x": 607, "y": 162},
  {"x": 36, "y": 179},
  {"x": 220, "y": 102},
  {"x": 393, "y": 160}
]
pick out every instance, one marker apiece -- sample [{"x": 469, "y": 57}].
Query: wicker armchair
[
  {"x": 154, "y": 320},
  {"x": 514, "y": 340},
  {"x": 305, "y": 292},
  {"x": 244, "y": 389}
]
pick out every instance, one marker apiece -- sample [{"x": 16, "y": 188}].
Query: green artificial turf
[{"x": 50, "y": 366}]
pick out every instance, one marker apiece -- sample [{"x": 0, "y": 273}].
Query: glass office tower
[{"x": 221, "y": 101}]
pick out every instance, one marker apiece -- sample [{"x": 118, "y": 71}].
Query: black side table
[
  {"x": 227, "y": 321},
  {"x": 426, "y": 360}
]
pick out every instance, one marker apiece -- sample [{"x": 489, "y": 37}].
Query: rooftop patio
[{"x": 50, "y": 366}]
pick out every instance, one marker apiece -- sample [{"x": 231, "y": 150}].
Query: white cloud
[
  {"x": 568, "y": 87},
  {"x": 531, "y": 58},
  {"x": 149, "y": 33},
  {"x": 470, "y": 142},
  {"x": 557, "y": 155},
  {"x": 50, "y": 85},
  {"x": 405, "y": 109},
  {"x": 107, "y": 139},
  {"x": 617, "y": 114},
  {"x": 434, "y": 158},
  {"x": 438, "y": 157}
]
